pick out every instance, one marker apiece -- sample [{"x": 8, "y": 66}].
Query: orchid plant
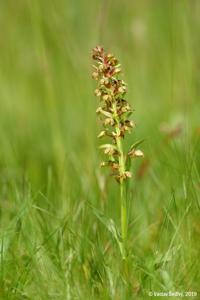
[{"x": 114, "y": 112}]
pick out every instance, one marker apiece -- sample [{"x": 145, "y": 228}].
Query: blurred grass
[{"x": 52, "y": 244}]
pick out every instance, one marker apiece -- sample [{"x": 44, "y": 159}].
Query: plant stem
[
  {"x": 123, "y": 201},
  {"x": 123, "y": 218}
]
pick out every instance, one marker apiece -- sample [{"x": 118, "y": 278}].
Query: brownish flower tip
[{"x": 98, "y": 53}]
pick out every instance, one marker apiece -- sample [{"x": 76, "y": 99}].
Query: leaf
[
  {"x": 136, "y": 144},
  {"x": 129, "y": 113},
  {"x": 128, "y": 162},
  {"x": 167, "y": 280},
  {"x": 109, "y": 224}
]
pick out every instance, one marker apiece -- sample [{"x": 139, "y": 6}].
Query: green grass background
[{"x": 53, "y": 196}]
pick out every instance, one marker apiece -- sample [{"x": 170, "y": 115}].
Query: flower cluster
[{"x": 114, "y": 112}]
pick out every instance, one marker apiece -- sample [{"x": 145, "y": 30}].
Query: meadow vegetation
[{"x": 58, "y": 210}]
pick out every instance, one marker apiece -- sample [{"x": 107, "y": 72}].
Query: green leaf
[
  {"x": 128, "y": 162},
  {"x": 136, "y": 144},
  {"x": 129, "y": 113},
  {"x": 110, "y": 225}
]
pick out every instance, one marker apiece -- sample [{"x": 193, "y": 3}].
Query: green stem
[
  {"x": 123, "y": 218},
  {"x": 123, "y": 201}
]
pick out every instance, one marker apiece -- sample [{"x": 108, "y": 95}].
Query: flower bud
[
  {"x": 95, "y": 75},
  {"x": 97, "y": 93},
  {"x": 102, "y": 134}
]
